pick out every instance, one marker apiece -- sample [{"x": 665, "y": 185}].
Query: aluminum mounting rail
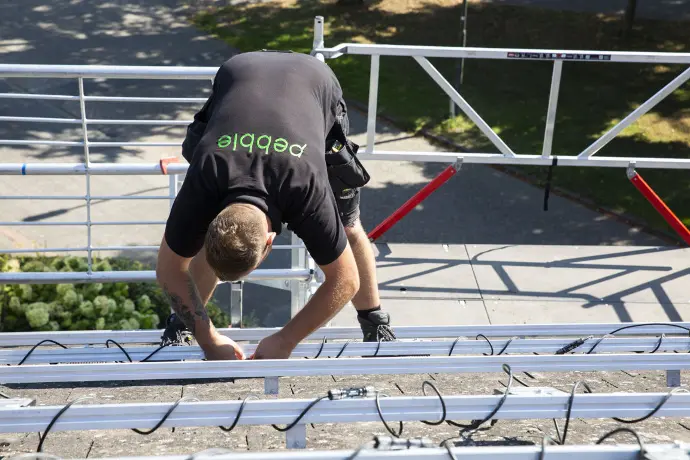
[
  {"x": 352, "y": 349},
  {"x": 268, "y": 369},
  {"x": 10, "y": 339},
  {"x": 584, "y": 452},
  {"x": 284, "y": 411}
]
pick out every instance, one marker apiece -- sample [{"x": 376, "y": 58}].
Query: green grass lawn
[{"x": 510, "y": 95}]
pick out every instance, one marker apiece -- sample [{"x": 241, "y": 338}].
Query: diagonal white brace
[
  {"x": 462, "y": 103},
  {"x": 636, "y": 114},
  {"x": 551, "y": 111}
]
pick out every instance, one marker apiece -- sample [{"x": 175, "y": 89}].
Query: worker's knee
[{"x": 355, "y": 232}]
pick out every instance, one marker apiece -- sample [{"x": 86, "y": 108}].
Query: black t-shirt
[{"x": 263, "y": 141}]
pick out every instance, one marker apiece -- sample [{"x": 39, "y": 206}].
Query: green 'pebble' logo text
[{"x": 263, "y": 143}]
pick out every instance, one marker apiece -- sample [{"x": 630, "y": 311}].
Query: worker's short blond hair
[{"x": 236, "y": 241}]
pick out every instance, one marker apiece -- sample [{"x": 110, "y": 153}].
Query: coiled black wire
[
  {"x": 109, "y": 341},
  {"x": 661, "y": 404},
  {"x": 476, "y": 424},
  {"x": 505, "y": 347},
  {"x": 643, "y": 450},
  {"x": 561, "y": 439},
  {"x": 26, "y": 356},
  {"x": 42, "y": 438},
  {"x": 165, "y": 417},
  {"x": 385, "y": 424},
  {"x": 239, "y": 414},
  {"x": 443, "y": 403},
  {"x": 300, "y": 416}
]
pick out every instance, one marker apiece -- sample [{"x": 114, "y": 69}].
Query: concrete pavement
[{"x": 436, "y": 256}]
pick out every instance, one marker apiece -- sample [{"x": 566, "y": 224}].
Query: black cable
[
  {"x": 36, "y": 346},
  {"x": 443, "y": 403},
  {"x": 598, "y": 342},
  {"x": 323, "y": 343},
  {"x": 505, "y": 347},
  {"x": 390, "y": 430},
  {"x": 658, "y": 345},
  {"x": 239, "y": 414},
  {"x": 474, "y": 425},
  {"x": 4, "y": 396},
  {"x": 42, "y": 438},
  {"x": 643, "y": 451},
  {"x": 487, "y": 341},
  {"x": 162, "y": 421},
  {"x": 542, "y": 453},
  {"x": 300, "y": 416},
  {"x": 153, "y": 352},
  {"x": 661, "y": 404},
  {"x": 561, "y": 440},
  {"x": 452, "y": 347},
  {"x": 120, "y": 347},
  {"x": 651, "y": 324},
  {"x": 343, "y": 349}
]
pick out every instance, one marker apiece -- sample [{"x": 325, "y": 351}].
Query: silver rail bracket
[
  {"x": 672, "y": 378},
  {"x": 296, "y": 437},
  {"x": 16, "y": 402},
  {"x": 630, "y": 171},
  {"x": 271, "y": 385},
  {"x": 458, "y": 164}
]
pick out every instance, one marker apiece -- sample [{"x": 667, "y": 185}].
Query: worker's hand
[
  {"x": 221, "y": 348},
  {"x": 273, "y": 347}
]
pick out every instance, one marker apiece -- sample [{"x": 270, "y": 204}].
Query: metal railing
[
  {"x": 299, "y": 278},
  {"x": 507, "y": 156}
]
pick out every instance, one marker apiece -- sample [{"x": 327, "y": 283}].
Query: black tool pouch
[{"x": 345, "y": 171}]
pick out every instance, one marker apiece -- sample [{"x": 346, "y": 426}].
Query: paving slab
[
  {"x": 425, "y": 271},
  {"x": 545, "y": 311},
  {"x": 436, "y": 312},
  {"x": 656, "y": 275}
]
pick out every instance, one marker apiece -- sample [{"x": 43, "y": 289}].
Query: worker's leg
[{"x": 368, "y": 295}]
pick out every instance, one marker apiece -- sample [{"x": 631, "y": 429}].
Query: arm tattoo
[
  {"x": 186, "y": 313},
  {"x": 199, "y": 309}
]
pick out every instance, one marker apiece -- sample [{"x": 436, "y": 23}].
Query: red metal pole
[
  {"x": 659, "y": 205},
  {"x": 410, "y": 204}
]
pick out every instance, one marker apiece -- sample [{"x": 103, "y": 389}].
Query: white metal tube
[
  {"x": 87, "y": 162},
  {"x": 102, "y": 121},
  {"x": 60, "y": 223},
  {"x": 330, "y": 366},
  {"x": 106, "y": 248},
  {"x": 569, "y": 452},
  {"x": 553, "y": 106},
  {"x": 373, "y": 101},
  {"x": 384, "y": 155},
  {"x": 46, "y": 97},
  {"x": 40, "y": 142},
  {"x": 106, "y": 71},
  {"x": 464, "y": 106},
  {"x": 194, "y": 100},
  {"x": 507, "y": 53},
  {"x": 13, "y": 339},
  {"x": 128, "y": 276},
  {"x": 318, "y": 37},
  {"x": 72, "y": 121},
  {"x": 636, "y": 114},
  {"x": 40, "y": 250},
  {"x": 401, "y": 408},
  {"x": 419, "y": 348}
]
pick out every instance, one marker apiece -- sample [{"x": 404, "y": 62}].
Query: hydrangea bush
[{"x": 88, "y": 306}]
